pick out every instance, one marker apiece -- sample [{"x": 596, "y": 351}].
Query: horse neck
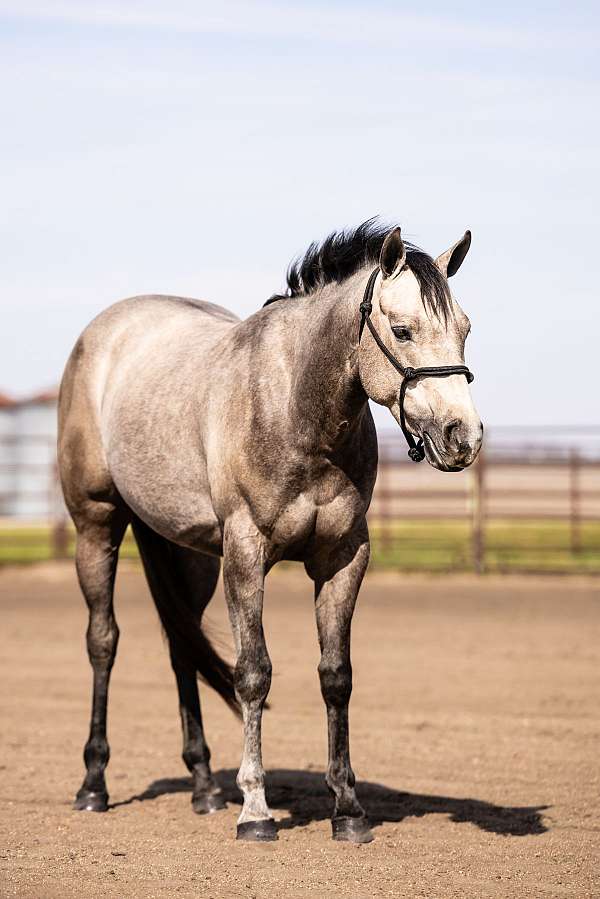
[{"x": 328, "y": 394}]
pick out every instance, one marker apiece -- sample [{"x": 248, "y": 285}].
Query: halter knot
[
  {"x": 416, "y": 453},
  {"x": 366, "y": 307},
  {"x": 409, "y": 374}
]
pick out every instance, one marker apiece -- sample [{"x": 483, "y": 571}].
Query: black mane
[{"x": 345, "y": 252}]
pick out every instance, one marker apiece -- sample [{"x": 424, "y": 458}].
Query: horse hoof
[
  {"x": 88, "y": 801},
  {"x": 257, "y": 831},
  {"x": 207, "y": 803},
  {"x": 351, "y": 830}
]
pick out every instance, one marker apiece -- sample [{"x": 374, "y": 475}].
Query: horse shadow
[{"x": 305, "y": 796}]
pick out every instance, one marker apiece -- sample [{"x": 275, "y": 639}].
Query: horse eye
[{"x": 401, "y": 333}]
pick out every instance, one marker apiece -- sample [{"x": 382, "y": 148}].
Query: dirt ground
[{"x": 475, "y": 736}]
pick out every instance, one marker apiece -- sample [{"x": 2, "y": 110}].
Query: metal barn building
[{"x": 28, "y": 482}]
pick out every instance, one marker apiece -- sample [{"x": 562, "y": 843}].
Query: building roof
[
  {"x": 5, "y": 401},
  {"x": 43, "y": 398}
]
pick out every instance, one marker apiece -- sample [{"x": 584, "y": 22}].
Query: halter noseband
[{"x": 416, "y": 451}]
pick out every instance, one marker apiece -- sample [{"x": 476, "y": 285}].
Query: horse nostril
[{"x": 451, "y": 431}]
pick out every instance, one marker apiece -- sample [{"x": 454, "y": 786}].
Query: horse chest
[{"x": 326, "y": 516}]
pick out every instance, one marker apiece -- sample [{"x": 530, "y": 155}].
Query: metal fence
[{"x": 530, "y": 503}]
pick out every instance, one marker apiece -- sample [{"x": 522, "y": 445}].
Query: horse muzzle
[{"x": 453, "y": 447}]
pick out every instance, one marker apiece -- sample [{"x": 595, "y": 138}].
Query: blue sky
[{"x": 195, "y": 148}]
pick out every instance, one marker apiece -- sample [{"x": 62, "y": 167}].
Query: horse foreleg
[
  {"x": 243, "y": 575},
  {"x": 338, "y": 577}
]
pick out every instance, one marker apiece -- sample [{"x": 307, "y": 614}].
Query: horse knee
[
  {"x": 336, "y": 681},
  {"x": 252, "y": 677},
  {"x": 250, "y": 776}
]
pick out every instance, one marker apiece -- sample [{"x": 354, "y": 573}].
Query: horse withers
[{"x": 253, "y": 441}]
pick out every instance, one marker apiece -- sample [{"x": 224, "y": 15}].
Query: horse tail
[{"x": 176, "y": 576}]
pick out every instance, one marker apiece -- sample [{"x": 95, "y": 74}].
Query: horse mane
[{"x": 345, "y": 252}]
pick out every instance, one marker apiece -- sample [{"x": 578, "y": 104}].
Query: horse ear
[
  {"x": 393, "y": 253},
  {"x": 450, "y": 261}
]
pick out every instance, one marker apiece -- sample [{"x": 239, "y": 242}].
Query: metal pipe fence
[
  {"x": 523, "y": 506},
  {"x": 520, "y": 507}
]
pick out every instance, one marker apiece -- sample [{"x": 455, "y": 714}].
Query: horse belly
[{"x": 169, "y": 500}]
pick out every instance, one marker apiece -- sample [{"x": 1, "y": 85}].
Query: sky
[{"x": 195, "y": 148}]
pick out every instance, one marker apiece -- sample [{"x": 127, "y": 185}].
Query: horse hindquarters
[{"x": 182, "y": 583}]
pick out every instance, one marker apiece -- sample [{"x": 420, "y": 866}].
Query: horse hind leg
[
  {"x": 207, "y": 796},
  {"x": 99, "y": 536},
  {"x": 201, "y": 574},
  {"x": 182, "y": 583}
]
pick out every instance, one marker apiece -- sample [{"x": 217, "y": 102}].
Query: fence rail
[
  {"x": 523, "y": 506},
  {"x": 529, "y": 509}
]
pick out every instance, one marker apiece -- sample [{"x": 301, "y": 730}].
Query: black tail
[{"x": 170, "y": 584}]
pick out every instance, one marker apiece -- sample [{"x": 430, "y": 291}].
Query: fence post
[
  {"x": 574, "y": 502},
  {"x": 478, "y": 514},
  {"x": 384, "y": 496},
  {"x": 60, "y": 539}
]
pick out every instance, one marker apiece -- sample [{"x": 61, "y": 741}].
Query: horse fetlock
[
  {"x": 196, "y": 757},
  {"x": 255, "y": 806},
  {"x": 208, "y": 803},
  {"x": 340, "y": 781},
  {"x": 347, "y": 805},
  {"x": 93, "y": 795},
  {"x": 207, "y": 797},
  {"x": 251, "y": 779},
  {"x": 96, "y": 754}
]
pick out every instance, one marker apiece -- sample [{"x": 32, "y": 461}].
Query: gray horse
[{"x": 253, "y": 440}]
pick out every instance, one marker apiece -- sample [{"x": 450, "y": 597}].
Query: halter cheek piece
[{"x": 416, "y": 451}]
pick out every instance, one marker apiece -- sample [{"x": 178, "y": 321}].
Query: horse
[{"x": 253, "y": 441}]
